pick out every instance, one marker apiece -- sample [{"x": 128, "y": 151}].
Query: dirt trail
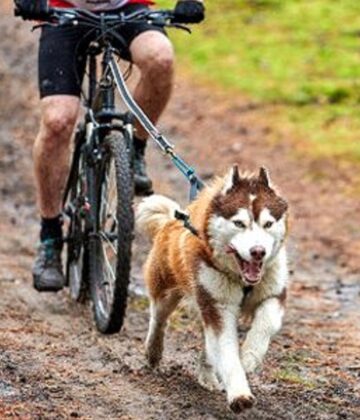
[{"x": 53, "y": 364}]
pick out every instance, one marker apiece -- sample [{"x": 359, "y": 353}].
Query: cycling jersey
[{"x": 96, "y": 5}]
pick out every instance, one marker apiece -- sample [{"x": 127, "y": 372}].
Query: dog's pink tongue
[{"x": 252, "y": 271}]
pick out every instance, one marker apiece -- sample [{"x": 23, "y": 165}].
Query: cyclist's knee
[
  {"x": 162, "y": 59},
  {"x": 59, "y": 116},
  {"x": 155, "y": 54}
]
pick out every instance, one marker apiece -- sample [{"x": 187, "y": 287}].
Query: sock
[
  {"x": 51, "y": 228},
  {"x": 139, "y": 144}
]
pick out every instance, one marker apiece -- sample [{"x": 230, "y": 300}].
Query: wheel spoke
[
  {"x": 109, "y": 196},
  {"x": 110, "y": 278},
  {"x": 103, "y": 236}
]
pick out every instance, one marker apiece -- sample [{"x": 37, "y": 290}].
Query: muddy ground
[{"x": 53, "y": 364}]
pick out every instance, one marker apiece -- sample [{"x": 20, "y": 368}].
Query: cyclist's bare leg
[
  {"x": 51, "y": 151},
  {"x": 51, "y": 155},
  {"x": 152, "y": 53}
]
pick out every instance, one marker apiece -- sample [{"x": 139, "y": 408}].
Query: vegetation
[{"x": 299, "y": 57}]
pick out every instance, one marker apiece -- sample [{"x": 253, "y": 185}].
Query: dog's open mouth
[{"x": 251, "y": 271}]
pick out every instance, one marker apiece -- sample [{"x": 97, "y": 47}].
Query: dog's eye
[
  {"x": 268, "y": 225},
  {"x": 239, "y": 224}
]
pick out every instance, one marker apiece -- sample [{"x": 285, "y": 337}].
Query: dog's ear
[
  {"x": 231, "y": 179},
  {"x": 264, "y": 178}
]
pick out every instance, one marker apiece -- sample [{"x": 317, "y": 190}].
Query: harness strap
[{"x": 185, "y": 218}]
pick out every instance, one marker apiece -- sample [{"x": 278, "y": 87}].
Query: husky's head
[{"x": 247, "y": 224}]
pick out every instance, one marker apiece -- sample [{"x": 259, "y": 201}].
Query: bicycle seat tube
[
  {"x": 93, "y": 51},
  {"x": 107, "y": 87}
]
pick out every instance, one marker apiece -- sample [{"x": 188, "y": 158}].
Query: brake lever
[
  {"x": 69, "y": 20},
  {"x": 43, "y": 25},
  {"x": 54, "y": 24},
  {"x": 180, "y": 26},
  {"x": 163, "y": 23}
]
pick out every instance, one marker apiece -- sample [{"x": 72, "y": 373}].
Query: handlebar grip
[{"x": 45, "y": 16}]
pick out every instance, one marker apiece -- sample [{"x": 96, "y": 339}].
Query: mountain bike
[{"x": 98, "y": 198}]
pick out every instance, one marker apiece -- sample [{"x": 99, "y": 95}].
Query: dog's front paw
[
  {"x": 241, "y": 403},
  {"x": 249, "y": 361},
  {"x": 153, "y": 359},
  {"x": 153, "y": 354}
]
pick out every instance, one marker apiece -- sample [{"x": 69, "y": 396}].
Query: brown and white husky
[{"x": 236, "y": 265}]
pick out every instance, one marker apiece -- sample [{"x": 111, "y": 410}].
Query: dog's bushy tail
[{"x": 154, "y": 212}]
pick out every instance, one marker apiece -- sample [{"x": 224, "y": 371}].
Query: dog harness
[{"x": 185, "y": 218}]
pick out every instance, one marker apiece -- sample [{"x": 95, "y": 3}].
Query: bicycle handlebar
[{"x": 76, "y": 16}]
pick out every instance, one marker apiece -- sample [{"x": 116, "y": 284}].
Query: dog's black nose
[{"x": 257, "y": 252}]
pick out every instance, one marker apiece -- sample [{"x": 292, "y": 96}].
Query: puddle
[
  {"x": 333, "y": 281},
  {"x": 7, "y": 391}
]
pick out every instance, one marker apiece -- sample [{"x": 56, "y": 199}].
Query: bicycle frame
[
  {"x": 101, "y": 115},
  {"x": 101, "y": 111}
]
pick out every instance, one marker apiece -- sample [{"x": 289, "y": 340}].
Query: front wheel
[{"x": 112, "y": 218}]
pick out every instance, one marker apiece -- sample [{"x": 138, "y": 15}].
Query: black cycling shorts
[{"x": 62, "y": 53}]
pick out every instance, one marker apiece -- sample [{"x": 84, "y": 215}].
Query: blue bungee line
[{"x": 196, "y": 184}]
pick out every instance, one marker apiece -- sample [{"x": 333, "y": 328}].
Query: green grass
[
  {"x": 293, "y": 377},
  {"x": 302, "y": 55},
  {"x": 294, "y": 369}
]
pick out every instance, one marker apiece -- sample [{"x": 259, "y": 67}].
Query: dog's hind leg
[{"x": 160, "y": 310}]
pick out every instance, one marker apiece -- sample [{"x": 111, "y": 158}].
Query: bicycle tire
[
  {"x": 76, "y": 256},
  {"x": 109, "y": 291}
]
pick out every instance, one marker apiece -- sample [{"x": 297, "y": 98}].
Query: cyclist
[{"x": 61, "y": 70}]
